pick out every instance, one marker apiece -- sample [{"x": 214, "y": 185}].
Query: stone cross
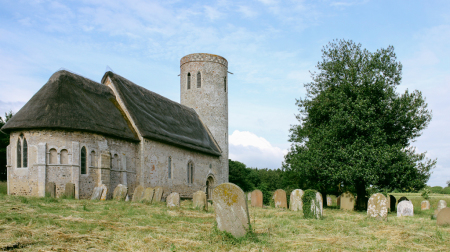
[
  {"x": 279, "y": 197},
  {"x": 158, "y": 194},
  {"x": 173, "y": 200},
  {"x": 199, "y": 200},
  {"x": 377, "y": 206},
  {"x": 405, "y": 208},
  {"x": 120, "y": 193},
  {"x": 257, "y": 198},
  {"x": 138, "y": 193},
  {"x": 347, "y": 201},
  {"x": 50, "y": 189},
  {"x": 425, "y": 205},
  {"x": 296, "y": 203}
]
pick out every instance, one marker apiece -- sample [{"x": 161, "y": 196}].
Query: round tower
[{"x": 204, "y": 87}]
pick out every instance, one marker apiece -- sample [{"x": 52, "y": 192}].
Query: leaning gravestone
[
  {"x": 425, "y": 205},
  {"x": 120, "y": 193},
  {"x": 392, "y": 201},
  {"x": 97, "y": 193},
  {"x": 69, "y": 190},
  {"x": 199, "y": 200},
  {"x": 104, "y": 193},
  {"x": 443, "y": 217},
  {"x": 148, "y": 195},
  {"x": 257, "y": 198},
  {"x": 347, "y": 201},
  {"x": 279, "y": 197},
  {"x": 173, "y": 200},
  {"x": 138, "y": 193},
  {"x": 441, "y": 205},
  {"x": 158, "y": 194},
  {"x": 230, "y": 206},
  {"x": 377, "y": 206},
  {"x": 329, "y": 200},
  {"x": 405, "y": 208},
  {"x": 295, "y": 201},
  {"x": 50, "y": 190}
]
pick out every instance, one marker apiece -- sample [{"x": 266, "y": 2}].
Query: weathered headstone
[
  {"x": 120, "y": 193},
  {"x": 199, "y": 200},
  {"x": 443, "y": 217},
  {"x": 402, "y": 199},
  {"x": 392, "y": 201},
  {"x": 405, "y": 208},
  {"x": 441, "y": 205},
  {"x": 347, "y": 201},
  {"x": 50, "y": 189},
  {"x": 249, "y": 196},
  {"x": 69, "y": 190},
  {"x": 279, "y": 197},
  {"x": 425, "y": 205},
  {"x": 329, "y": 200},
  {"x": 173, "y": 200},
  {"x": 257, "y": 198},
  {"x": 97, "y": 193},
  {"x": 317, "y": 205},
  {"x": 104, "y": 193},
  {"x": 138, "y": 193},
  {"x": 230, "y": 206},
  {"x": 127, "y": 198},
  {"x": 148, "y": 195},
  {"x": 377, "y": 206},
  {"x": 158, "y": 194},
  {"x": 338, "y": 201},
  {"x": 295, "y": 201}
]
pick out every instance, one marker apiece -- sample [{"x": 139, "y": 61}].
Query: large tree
[
  {"x": 4, "y": 142},
  {"x": 355, "y": 130}
]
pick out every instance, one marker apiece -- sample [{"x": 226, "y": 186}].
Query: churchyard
[{"x": 48, "y": 224}]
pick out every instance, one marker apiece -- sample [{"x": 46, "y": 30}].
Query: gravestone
[
  {"x": 279, "y": 197},
  {"x": 230, "y": 207},
  {"x": 378, "y": 206},
  {"x": 425, "y": 205},
  {"x": 338, "y": 201},
  {"x": 443, "y": 217},
  {"x": 158, "y": 194},
  {"x": 317, "y": 208},
  {"x": 402, "y": 199},
  {"x": 173, "y": 200},
  {"x": 50, "y": 189},
  {"x": 441, "y": 205},
  {"x": 295, "y": 201},
  {"x": 199, "y": 200},
  {"x": 405, "y": 208},
  {"x": 347, "y": 201},
  {"x": 392, "y": 201},
  {"x": 257, "y": 198},
  {"x": 127, "y": 198},
  {"x": 138, "y": 193},
  {"x": 120, "y": 193},
  {"x": 249, "y": 196},
  {"x": 104, "y": 193},
  {"x": 97, "y": 193},
  {"x": 69, "y": 190},
  {"x": 329, "y": 200},
  {"x": 148, "y": 195}
]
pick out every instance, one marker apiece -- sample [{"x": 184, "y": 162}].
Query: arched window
[
  {"x": 189, "y": 81},
  {"x": 199, "y": 80},
  {"x": 19, "y": 153},
  {"x": 53, "y": 157},
  {"x": 64, "y": 158},
  {"x": 225, "y": 84},
  {"x": 169, "y": 167},
  {"x": 116, "y": 162},
  {"x": 93, "y": 158},
  {"x": 83, "y": 160},
  {"x": 25, "y": 153},
  {"x": 190, "y": 172}
]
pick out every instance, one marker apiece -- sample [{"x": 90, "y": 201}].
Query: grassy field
[{"x": 46, "y": 224}]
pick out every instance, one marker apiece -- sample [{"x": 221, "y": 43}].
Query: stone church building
[{"x": 75, "y": 130}]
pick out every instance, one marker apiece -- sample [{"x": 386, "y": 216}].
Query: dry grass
[{"x": 45, "y": 224}]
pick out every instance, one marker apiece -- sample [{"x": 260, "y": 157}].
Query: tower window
[
  {"x": 199, "y": 80},
  {"x": 64, "y": 158},
  {"x": 190, "y": 172},
  {"x": 225, "y": 84},
  {"x": 189, "y": 81},
  {"x": 169, "y": 167},
  {"x": 83, "y": 160}
]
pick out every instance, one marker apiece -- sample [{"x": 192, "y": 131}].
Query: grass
[
  {"x": 3, "y": 187},
  {"x": 46, "y": 224}
]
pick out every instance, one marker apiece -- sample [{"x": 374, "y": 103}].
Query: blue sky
[{"x": 270, "y": 45}]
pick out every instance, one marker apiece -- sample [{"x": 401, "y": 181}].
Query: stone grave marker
[
  {"x": 441, "y": 205},
  {"x": 329, "y": 200},
  {"x": 138, "y": 193},
  {"x": 249, "y": 196},
  {"x": 338, "y": 201},
  {"x": 378, "y": 206},
  {"x": 173, "y": 200},
  {"x": 402, "y": 199},
  {"x": 120, "y": 193},
  {"x": 425, "y": 205},
  {"x": 443, "y": 217},
  {"x": 69, "y": 190},
  {"x": 199, "y": 200},
  {"x": 230, "y": 207},
  {"x": 257, "y": 198},
  {"x": 405, "y": 208},
  {"x": 295, "y": 201},
  {"x": 347, "y": 201},
  {"x": 127, "y": 198},
  {"x": 148, "y": 195},
  {"x": 104, "y": 193},
  {"x": 50, "y": 190},
  {"x": 97, "y": 193},
  {"x": 158, "y": 194},
  {"x": 392, "y": 201},
  {"x": 279, "y": 197},
  {"x": 317, "y": 208}
]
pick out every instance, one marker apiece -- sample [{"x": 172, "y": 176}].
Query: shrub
[
  {"x": 436, "y": 189},
  {"x": 307, "y": 198},
  {"x": 446, "y": 190},
  {"x": 426, "y": 193}
]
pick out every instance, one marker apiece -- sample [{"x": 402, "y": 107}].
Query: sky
[{"x": 271, "y": 47}]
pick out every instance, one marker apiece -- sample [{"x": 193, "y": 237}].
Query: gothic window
[
  {"x": 199, "y": 80},
  {"x": 53, "y": 157},
  {"x": 19, "y": 154},
  {"x": 225, "y": 84},
  {"x": 169, "y": 167},
  {"x": 25, "y": 153},
  {"x": 189, "y": 81},
  {"x": 93, "y": 158},
  {"x": 190, "y": 172},
  {"x": 64, "y": 158},
  {"x": 83, "y": 160}
]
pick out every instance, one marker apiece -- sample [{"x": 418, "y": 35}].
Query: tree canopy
[
  {"x": 355, "y": 131},
  {"x": 4, "y": 142}
]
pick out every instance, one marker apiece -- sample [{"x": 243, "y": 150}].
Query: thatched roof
[
  {"x": 162, "y": 119},
  {"x": 71, "y": 102}
]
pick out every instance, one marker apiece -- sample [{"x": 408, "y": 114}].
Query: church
[{"x": 75, "y": 130}]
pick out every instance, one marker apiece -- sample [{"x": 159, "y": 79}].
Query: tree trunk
[{"x": 361, "y": 201}]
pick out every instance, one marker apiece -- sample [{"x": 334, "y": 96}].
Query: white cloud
[
  {"x": 212, "y": 13},
  {"x": 247, "y": 11},
  {"x": 254, "y": 151}
]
